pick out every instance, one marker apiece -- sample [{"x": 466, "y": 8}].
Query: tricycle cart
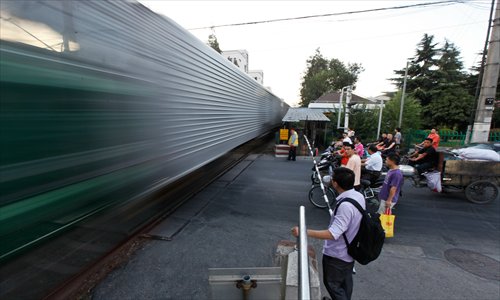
[{"x": 479, "y": 179}]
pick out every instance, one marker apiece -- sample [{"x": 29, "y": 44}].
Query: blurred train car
[{"x": 103, "y": 101}]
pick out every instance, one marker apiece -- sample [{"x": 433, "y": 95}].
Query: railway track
[{"x": 69, "y": 266}]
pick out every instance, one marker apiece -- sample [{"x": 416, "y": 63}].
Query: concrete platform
[{"x": 238, "y": 221}]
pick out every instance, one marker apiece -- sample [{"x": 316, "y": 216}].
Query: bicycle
[{"x": 317, "y": 196}]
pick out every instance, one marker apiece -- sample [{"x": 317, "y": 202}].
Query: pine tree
[
  {"x": 421, "y": 71},
  {"x": 451, "y": 101}
]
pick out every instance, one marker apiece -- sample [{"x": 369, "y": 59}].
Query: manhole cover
[{"x": 475, "y": 263}]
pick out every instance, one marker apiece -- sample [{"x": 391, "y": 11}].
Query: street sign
[{"x": 283, "y": 134}]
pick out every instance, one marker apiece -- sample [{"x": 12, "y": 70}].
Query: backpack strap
[{"x": 356, "y": 204}]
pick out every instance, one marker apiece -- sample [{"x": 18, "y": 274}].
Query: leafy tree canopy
[
  {"x": 411, "y": 113},
  {"x": 324, "y": 75}
]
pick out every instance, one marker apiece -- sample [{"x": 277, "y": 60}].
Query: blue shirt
[
  {"x": 393, "y": 178},
  {"x": 346, "y": 220}
]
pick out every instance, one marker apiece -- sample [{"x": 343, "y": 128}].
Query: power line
[{"x": 449, "y": 2}]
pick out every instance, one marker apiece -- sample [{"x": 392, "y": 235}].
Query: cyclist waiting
[
  {"x": 358, "y": 146},
  {"x": 354, "y": 163},
  {"x": 372, "y": 166},
  {"x": 389, "y": 146},
  {"x": 343, "y": 154},
  {"x": 425, "y": 159},
  {"x": 382, "y": 141}
]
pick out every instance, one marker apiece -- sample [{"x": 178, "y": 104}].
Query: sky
[{"x": 381, "y": 41}]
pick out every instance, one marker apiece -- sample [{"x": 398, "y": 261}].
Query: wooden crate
[{"x": 463, "y": 172}]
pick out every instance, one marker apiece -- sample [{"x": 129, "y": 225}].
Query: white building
[
  {"x": 258, "y": 75},
  {"x": 238, "y": 57}
]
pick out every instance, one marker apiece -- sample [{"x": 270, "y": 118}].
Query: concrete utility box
[{"x": 228, "y": 283}]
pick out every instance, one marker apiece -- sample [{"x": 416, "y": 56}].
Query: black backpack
[{"x": 368, "y": 242}]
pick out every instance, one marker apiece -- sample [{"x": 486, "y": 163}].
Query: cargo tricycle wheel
[{"x": 481, "y": 191}]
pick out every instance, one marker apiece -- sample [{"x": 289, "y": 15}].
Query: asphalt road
[{"x": 444, "y": 247}]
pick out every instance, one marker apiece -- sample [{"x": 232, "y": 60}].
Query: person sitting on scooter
[
  {"x": 425, "y": 159},
  {"x": 371, "y": 167},
  {"x": 358, "y": 146},
  {"x": 354, "y": 163},
  {"x": 382, "y": 141},
  {"x": 389, "y": 146},
  {"x": 343, "y": 154}
]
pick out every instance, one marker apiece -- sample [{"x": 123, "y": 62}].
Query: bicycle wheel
[
  {"x": 317, "y": 199},
  {"x": 481, "y": 191}
]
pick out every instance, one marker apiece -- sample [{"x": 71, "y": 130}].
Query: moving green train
[{"x": 104, "y": 102}]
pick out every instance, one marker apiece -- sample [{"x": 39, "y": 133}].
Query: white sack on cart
[
  {"x": 477, "y": 154},
  {"x": 433, "y": 181}
]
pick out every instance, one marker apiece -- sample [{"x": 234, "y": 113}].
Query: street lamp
[
  {"x": 347, "y": 107},
  {"x": 382, "y": 99}
]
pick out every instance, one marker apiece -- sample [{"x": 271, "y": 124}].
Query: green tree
[
  {"x": 325, "y": 75},
  {"x": 437, "y": 80},
  {"x": 412, "y": 111},
  {"x": 472, "y": 78},
  {"x": 212, "y": 42},
  {"x": 364, "y": 121},
  {"x": 421, "y": 71},
  {"x": 451, "y": 102}
]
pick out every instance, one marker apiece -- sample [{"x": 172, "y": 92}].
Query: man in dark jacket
[{"x": 426, "y": 158}]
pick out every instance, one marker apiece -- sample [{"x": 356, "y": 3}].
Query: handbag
[{"x": 387, "y": 221}]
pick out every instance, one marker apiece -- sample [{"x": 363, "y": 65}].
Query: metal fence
[{"x": 449, "y": 138}]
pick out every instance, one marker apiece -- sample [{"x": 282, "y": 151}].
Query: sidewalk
[{"x": 239, "y": 220}]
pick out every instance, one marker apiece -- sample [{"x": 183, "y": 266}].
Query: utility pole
[
  {"x": 402, "y": 97},
  {"x": 340, "y": 106},
  {"x": 484, "y": 111}
]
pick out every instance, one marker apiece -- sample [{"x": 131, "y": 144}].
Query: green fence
[
  {"x": 494, "y": 136},
  {"x": 449, "y": 138}
]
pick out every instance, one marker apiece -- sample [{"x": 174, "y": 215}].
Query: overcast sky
[{"x": 381, "y": 40}]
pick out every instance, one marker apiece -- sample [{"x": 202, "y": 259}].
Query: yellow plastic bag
[{"x": 387, "y": 221}]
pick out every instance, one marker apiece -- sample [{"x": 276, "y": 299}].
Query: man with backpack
[{"x": 343, "y": 228}]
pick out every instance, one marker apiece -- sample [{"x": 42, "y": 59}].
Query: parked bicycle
[{"x": 317, "y": 196}]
